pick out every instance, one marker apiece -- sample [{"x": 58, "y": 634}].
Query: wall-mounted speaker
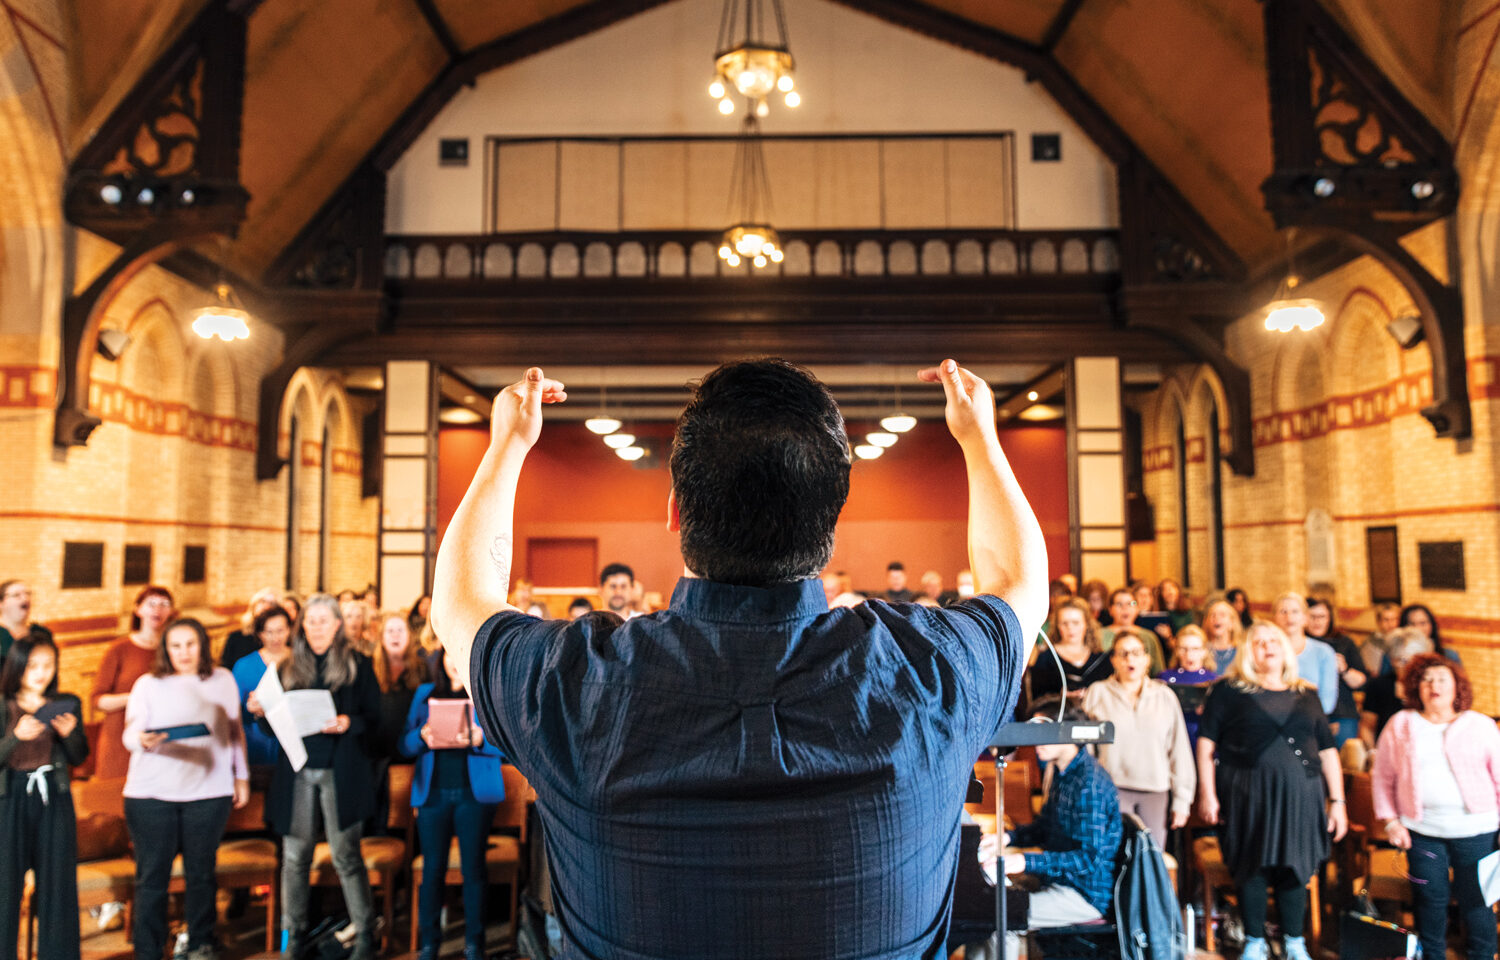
[
  {"x": 112, "y": 343},
  {"x": 1406, "y": 330}
]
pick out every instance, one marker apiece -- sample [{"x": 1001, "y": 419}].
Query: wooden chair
[
  {"x": 1366, "y": 863},
  {"x": 245, "y": 862},
  {"x": 1208, "y": 861},
  {"x": 385, "y": 857},
  {"x": 502, "y": 857}
]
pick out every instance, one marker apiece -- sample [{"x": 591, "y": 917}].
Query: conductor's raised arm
[
  {"x": 471, "y": 578},
  {"x": 1006, "y": 550}
]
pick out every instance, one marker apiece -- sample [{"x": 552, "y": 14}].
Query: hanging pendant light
[
  {"x": 602, "y": 424},
  {"x": 1287, "y": 311},
  {"x": 749, "y": 60},
  {"x": 225, "y": 319},
  {"x": 751, "y": 237},
  {"x": 898, "y": 422}
]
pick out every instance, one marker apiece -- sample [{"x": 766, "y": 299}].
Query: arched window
[
  {"x": 1180, "y": 457},
  {"x": 293, "y": 490},
  {"x": 325, "y": 510},
  {"x": 1215, "y": 496}
]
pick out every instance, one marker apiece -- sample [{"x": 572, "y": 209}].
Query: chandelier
[
  {"x": 751, "y": 63},
  {"x": 1287, "y": 311},
  {"x": 751, "y": 237},
  {"x": 224, "y": 319}
]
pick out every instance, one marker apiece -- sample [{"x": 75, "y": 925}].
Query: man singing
[{"x": 749, "y": 773}]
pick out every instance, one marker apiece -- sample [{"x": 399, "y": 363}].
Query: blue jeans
[
  {"x": 447, "y": 814},
  {"x": 1429, "y": 861}
]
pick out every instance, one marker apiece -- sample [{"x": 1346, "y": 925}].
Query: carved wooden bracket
[
  {"x": 161, "y": 172},
  {"x": 1356, "y": 160}
]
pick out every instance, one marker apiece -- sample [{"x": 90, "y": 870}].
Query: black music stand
[{"x": 1032, "y": 734}]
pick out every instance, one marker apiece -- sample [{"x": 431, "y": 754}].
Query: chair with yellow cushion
[{"x": 245, "y": 862}]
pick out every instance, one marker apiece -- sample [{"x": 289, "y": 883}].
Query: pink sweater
[
  {"x": 1472, "y": 745},
  {"x": 195, "y": 768}
]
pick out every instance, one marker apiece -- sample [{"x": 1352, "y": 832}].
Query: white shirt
[{"x": 1443, "y": 811}]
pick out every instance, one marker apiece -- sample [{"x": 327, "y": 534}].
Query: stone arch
[
  {"x": 1203, "y": 481},
  {"x": 155, "y": 364},
  {"x": 210, "y": 361},
  {"x": 1361, "y": 353}
]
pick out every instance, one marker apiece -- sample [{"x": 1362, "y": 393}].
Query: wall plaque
[{"x": 1442, "y": 564}]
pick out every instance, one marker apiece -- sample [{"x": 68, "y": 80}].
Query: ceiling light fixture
[
  {"x": 750, "y": 62},
  {"x": 881, "y": 439},
  {"x": 1287, "y": 311},
  {"x": 630, "y": 453},
  {"x": 1032, "y": 396},
  {"x": 898, "y": 422},
  {"x": 225, "y": 319},
  {"x": 617, "y": 441},
  {"x": 603, "y": 423},
  {"x": 868, "y": 451},
  {"x": 752, "y": 237}
]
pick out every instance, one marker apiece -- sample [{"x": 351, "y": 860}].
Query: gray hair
[
  {"x": 1407, "y": 642},
  {"x": 300, "y": 670}
]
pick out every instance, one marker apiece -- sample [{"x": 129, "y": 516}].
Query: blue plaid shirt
[
  {"x": 748, "y": 773},
  {"x": 1078, "y": 830}
]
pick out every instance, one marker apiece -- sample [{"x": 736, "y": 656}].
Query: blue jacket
[{"x": 485, "y": 778}]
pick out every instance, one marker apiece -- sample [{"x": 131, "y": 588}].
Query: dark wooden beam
[
  {"x": 1058, "y": 28},
  {"x": 439, "y": 28}
]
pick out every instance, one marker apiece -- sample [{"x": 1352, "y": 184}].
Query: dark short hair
[
  {"x": 615, "y": 569},
  {"x": 1411, "y": 680},
  {"x": 16, "y": 659},
  {"x": 760, "y": 472},
  {"x": 895, "y": 565},
  {"x": 267, "y": 615},
  {"x": 1047, "y": 707},
  {"x": 162, "y": 665},
  {"x": 580, "y": 602}
]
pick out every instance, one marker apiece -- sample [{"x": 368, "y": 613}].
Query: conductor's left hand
[{"x": 516, "y": 418}]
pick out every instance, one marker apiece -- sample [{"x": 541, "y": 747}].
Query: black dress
[
  {"x": 1043, "y": 680},
  {"x": 1269, "y": 777}
]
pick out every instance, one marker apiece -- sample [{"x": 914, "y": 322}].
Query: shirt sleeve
[
  {"x": 1327, "y": 680},
  {"x": 983, "y": 638},
  {"x": 513, "y": 655},
  {"x": 1093, "y": 832},
  {"x": 1215, "y": 706},
  {"x": 1322, "y": 732}
]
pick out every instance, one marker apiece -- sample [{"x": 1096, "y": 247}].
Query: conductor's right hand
[{"x": 971, "y": 406}]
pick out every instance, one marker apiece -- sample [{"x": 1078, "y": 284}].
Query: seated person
[{"x": 1078, "y": 831}]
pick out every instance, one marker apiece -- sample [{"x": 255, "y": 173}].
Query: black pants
[
  {"x": 1429, "y": 860},
  {"x": 42, "y": 837},
  {"x": 1291, "y": 902},
  {"x": 159, "y": 831}
]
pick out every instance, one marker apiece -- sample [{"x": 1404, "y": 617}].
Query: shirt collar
[{"x": 730, "y": 603}]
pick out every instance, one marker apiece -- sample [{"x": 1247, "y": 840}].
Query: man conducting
[{"x": 749, "y": 773}]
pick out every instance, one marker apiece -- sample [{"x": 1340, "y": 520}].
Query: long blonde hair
[
  {"x": 1090, "y": 625},
  {"x": 1236, "y": 629},
  {"x": 1246, "y": 675}
]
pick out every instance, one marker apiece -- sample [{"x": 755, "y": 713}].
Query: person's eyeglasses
[{"x": 158, "y": 603}]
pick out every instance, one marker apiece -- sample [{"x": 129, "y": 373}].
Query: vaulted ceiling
[{"x": 326, "y": 80}]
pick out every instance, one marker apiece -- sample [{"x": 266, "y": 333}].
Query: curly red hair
[{"x": 1411, "y": 679}]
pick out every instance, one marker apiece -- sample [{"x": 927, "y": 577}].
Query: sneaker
[
  {"x": 1255, "y": 949},
  {"x": 1296, "y": 949},
  {"x": 108, "y": 912}
]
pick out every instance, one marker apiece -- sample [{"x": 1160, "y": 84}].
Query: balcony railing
[{"x": 690, "y": 255}]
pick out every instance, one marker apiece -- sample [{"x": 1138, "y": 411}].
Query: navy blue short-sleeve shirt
[{"x": 749, "y": 773}]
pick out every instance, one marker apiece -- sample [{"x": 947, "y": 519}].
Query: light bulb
[
  {"x": 777, "y": 255},
  {"x": 1032, "y": 396},
  {"x": 761, "y": 110},
  {"x": 602, "y": 425},
  {"x": 1287, "y": 315},
  {"x": 617, "y": 440},
  {"x": 881, "y": 439},
  {"x": 734, "y": 260},
  {"x": 868, "y": 451},
  {"x": 898, "y": 422},
  {"x": 226, "y": 323},
  {"x": 726, "y": 106},
  {"x": 785, "y": 83},
  {"x": 630, "y": 453},
  {"x": 760, "y": 260},
  {"x": 716, "y": 90},
  {"x": 794, "y": 99}
]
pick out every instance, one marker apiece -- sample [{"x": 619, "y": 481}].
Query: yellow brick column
[
  {"x": 1096, "y": 470},
  {"x": 408, "y": 489}
]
